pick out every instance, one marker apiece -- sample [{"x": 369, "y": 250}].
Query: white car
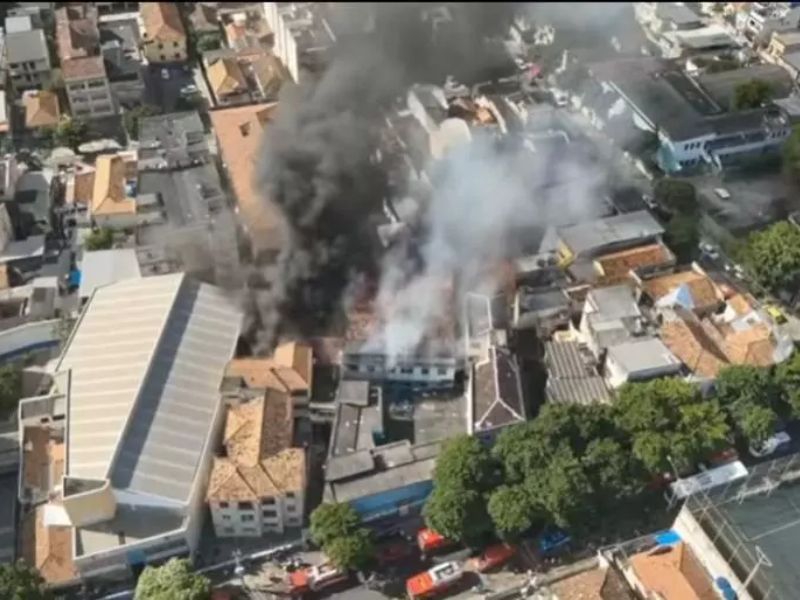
[
  {"x": 164, "y": 73},
  {"x": 189, "y": 90},
  {"x": 771, "y": 445}
]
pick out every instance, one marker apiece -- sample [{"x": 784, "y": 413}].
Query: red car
[
  {"x": 494, "y": 556},
  {"x": 428, "y": 540}
]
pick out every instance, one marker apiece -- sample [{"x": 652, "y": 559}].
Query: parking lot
[{"x": 162, "y": 91}]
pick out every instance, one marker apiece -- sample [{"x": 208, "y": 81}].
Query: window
[
  {"x": 290, "y": 495},
  {"x": 248, "y": 530},
  {"x": 290, "y": 508},
  {"x": 228, "y": 530},
  {"x": 161, "y": 46},
  {"x": 174, "y": 44},
  {"x": 96, "y": 84},
  {"x": 223, "y": 505},
  {"x": 163, "y": 58},
  {"x": 226, "y": 517},
  {"x": 245, "y": 505},
  {"x": 177, "y": 56},
  {"x": 268, "y": 500},
  {"x": 248, "y": 518},
  {"x": 269, "y": 513},
  {"x": 425, "y": 370},
  {"x": 441, "y": 371},
  {"x": 31, "y": 65}
]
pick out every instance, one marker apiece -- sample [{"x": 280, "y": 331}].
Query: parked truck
[
  {"x": 434, "y": 581},
  {"x": 313, "y": 579}
]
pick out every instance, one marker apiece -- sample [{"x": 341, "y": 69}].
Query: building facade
[
  {"x": 163, "y": 34},
  {"x": 87, "y": 86}
]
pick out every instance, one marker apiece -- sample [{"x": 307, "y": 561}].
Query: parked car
[
  {"x": 780, "y": 442},
  {"x": 776, "y": 313},
  {"x": 429, "y": 541},
  {"x": 189, "y": 90},
  {"x": 434, "y": 581},
  {"x": 165, "y": 73},
  {"x": 494, "y": 556}
]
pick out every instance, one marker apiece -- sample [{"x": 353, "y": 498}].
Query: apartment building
[
  {"x": 88, "y": 90},
  {"x": 28, "y": 59},
  {"x": 163, "y": 34},
  {"x": 257, "y": 483}
]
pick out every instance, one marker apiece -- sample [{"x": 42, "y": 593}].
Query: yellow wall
[{"x": 170, "y": 52}]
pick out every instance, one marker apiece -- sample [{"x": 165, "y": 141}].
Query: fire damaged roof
[{"x": 497, "y": 391}]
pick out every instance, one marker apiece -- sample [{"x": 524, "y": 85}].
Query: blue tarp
[
  {"x": 553, "y": 540},
  {"x": 74, "y": 278},
  {"x": 725, "y": 587},
  {"x": 667, "y": 538}
]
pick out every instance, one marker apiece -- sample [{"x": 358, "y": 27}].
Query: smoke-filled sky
[{"x": 319, "y": 167}]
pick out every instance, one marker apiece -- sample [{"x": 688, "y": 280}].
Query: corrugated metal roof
[{"x": 147, "y": 355}]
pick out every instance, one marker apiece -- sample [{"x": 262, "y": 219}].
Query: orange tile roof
[
  {"x": 89, "y": 67},
  {"x": 240, "y": 131},
  {"x": 686, "y": 339},
  {"x": 41, "y": 109},
  {"x": 594, "y": 584},
  {"x": 675, "y": 574},
  {"x": 288, "y": 370},
  {"x": 298, "y": 357},
  {"x": 226, "y": 77},
  {"x": 82, "y": 188},
  {"x": 753, "y": 346},
  {"x": 616, "y": 265},
  {"x": 108, "y": 195},
  {"x": 43, "y": 459},
  {"x": 740, "y": 304},
  {"x": 162, "y": 21},
  {"x": 259, "y": 458},
  {"x": 704, "y": 291},
  {"x": 49, "y": 549}
]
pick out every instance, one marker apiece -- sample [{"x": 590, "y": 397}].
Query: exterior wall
[
  {"x": 284, "y": 45},
  {"x": 156, "y": 51},
  {"x": 418, "y": 371},
  {"x": 396, "y": 502},
  {"x": 115, "y": 221},
  {"x": 90, "y": 98},
  {"x": 32, "y": 74},
  {"x": 91, "y": 507},
  {"x": 255, "y": 518},
  {"x": 617, "y": 375},
  {"x": 703, "y": 548}
]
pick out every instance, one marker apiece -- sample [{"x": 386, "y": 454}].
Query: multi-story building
[
  {"x": 257, "y": 485},
  {"x": 87, "y": 86},
  {"x": 28, "y": 59},
  {"x": 82, "y": 66},
  {"x": 163, "y": 35}
]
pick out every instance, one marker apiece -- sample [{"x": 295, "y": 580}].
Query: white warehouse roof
[{"x": 147, "y": 357}]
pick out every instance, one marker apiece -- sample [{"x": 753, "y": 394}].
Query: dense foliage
[
  {"x": 751, "y": 94},
  {"x": 18, "y": 581},
  {"x": 773, "y": 256},
  {"x": 174, "y": 580},
  {"x": 335, "y": 527}
]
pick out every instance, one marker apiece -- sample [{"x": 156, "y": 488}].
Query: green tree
[
  {"x": 682, "y": 236},
  {"x": 564, "y": 490},
  {"x": 512, "y": 511},
  {"x": 773, "y": 256},
  {"x": 457, "y": 513},
  {"x": 751, "y": 94},
  {"x": 465, "y": 462},
  {"x": 207, "y": 42},
  {"x": 172, "y": 581},
  {"x": 330, "y": 521},
  {"x": 19, "y": 581},
  {"x": 70, "y": 133},
  {"x": 670, "y": 423},
  {"x": 99, "y": 239},
  {"x": 352, "y": 551},
  {"x": 10, "y": 388},
  {"x": 676, "y": 195},
  {"x": 131, "y": 118},
  {"x": 787, "y": 377},
  {"x": 722, "y": 64},
  {"x": 752, "y": 398}
]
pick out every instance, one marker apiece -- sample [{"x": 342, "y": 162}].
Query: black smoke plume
[{"x": 319, "y": 163}]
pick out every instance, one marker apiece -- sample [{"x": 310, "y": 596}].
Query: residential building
[
  {"x": 784, "y": 42},
  {"x": 120, "y": 48},
  {"x": 88, "y": 88},
  {"x": 48, "y": 549},
  {"x": 639, "y": 360},
  {"x": 177, "y": 175},
  {"x": 301, "y": 35},
  {"x": 82, "y": 66},
  {"x": 112, "y": 205},
  {"x": 137, "y": 460},
  {"x": 240, "y": 132},
  {"x": 708, "y": 42},
  {"x": 667, "y": 16},
  {"x": 371, "y": 465},
  {"x": 494, "y": 394},
  {"x": 692, "y": 289},
  {"x": 618, "y": 267},
  {"x": 107, "y": 8},
  {"x": 572, "y": 376},
  {"x": 258, "y": 485},
  {"x": 163, "y": 35},
  {"x": 693, "y": 118},
  {"x": 602, "y": 236},
  {"x": 28, "y": 59},
  {"x": 243, "y": 76},
  {"x": 41, "y": 109},
  {"x": 543, "y": 309},
  {"x": 761, "y": 19},
  {"x": 245, "y": 27}
]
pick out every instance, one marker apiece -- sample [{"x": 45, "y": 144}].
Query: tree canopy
[
  {"x": 335, "y": 527},
  {"x": 773, "y": 256},
  {"x": 682, "y": 236},
  {"x": 172, "y": 581},
  {"x": 99, "y": 239},
  {"x": 70, "y": 133},
  {"x": 752, "y": 399},
  {"x": 670, "y": 424},
  {"x": 18, "y": 581},
  {"x": 787, "y": 377},
  {"x": 676, "y": 195},
  {"x": 751, "y": 94}
]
